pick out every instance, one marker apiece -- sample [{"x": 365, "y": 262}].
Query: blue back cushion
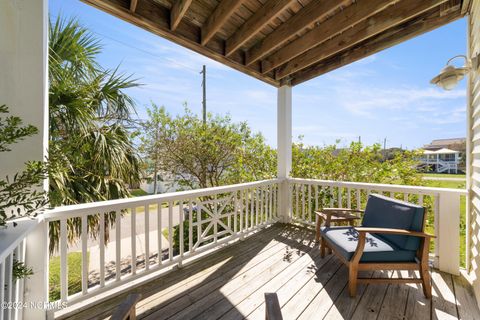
[{"x": 385, "y": 212}]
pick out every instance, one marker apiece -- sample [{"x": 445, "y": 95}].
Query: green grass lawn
[
  {"x": 138, "y": 193},
  {"x": 453, "y": 185},
  {"x": 444, "y": 175},
  {"x": 74, "y": 263}
]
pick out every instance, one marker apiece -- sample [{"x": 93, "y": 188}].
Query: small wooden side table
[{"x": 330, "y": 215}]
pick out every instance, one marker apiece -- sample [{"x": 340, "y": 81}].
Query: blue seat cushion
[
  {"x": 344, "y": 241},
  {"x": 385, "y": 212}
]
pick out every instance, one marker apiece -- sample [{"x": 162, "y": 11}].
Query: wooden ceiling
[{"x": 286, "y": 41}]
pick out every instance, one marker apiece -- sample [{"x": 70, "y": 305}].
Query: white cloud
[{"x": 366, "y": 101}]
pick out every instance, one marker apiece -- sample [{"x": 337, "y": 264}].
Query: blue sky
[{"x": 386, "y": 95}]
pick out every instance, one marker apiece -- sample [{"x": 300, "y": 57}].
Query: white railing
[
  {"x": 443, "y": 206},
  {"x": 138, "y": 236},
  {"x": 12, "y": 254}
]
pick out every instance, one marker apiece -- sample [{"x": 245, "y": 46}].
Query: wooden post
[
  {"x": 284, "y": 149},
  {"x": 36, "y": 286},
  {"x": 23, "y": 84},
  {"x": 448, "y": 233},
  {"x": 24, "y": 89}
]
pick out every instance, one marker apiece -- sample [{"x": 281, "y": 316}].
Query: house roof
[
  {"x": 441, "y": 151},
  {"x": 286, "y": 41},
  {"x": 441, "y": 142}
]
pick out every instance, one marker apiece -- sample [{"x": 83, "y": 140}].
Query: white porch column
[
  {"x": 284, "y": 149},
  {"x": 24, "y": 89}
]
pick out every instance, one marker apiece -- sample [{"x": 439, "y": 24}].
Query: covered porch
[{"x": 257, "y": 237}]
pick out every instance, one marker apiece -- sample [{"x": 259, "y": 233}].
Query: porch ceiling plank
[
  {"x": 216, "y": 20},
  {"x": 419, "y": 25},
  {"x": 155, "y": 18},
  {"x": 133, "y": 5},
  {"x": 313, "y": 12},
  {"x": 376, "y": 24},
  {"x": 268, "y": 12},
  {"x": 179, "y": 9},
  {"x": 351, "y": 15}
]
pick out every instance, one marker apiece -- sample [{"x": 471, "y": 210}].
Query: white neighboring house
[
  {"x": 165, "y": 183},
  {"x": 441, "y": 161}
]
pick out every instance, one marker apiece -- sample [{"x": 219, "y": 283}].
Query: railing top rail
[
  {"x": 13, "y": 236},
  {"x": 387, "y": 187},
  {"x": 70, "y": 211}
]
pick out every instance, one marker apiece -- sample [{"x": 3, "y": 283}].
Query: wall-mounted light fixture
[{"x": 450, "y": 75}]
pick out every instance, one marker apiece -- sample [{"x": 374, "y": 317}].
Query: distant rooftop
[
  {"x": 450, "y": 143},
  {"x": 447, "y": 141}
]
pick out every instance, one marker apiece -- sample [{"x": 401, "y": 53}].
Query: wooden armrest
[
  {"x": 126, "y": 310},
  {"x": 394, "y": 231},
  {"x": 327, "y": 210}
]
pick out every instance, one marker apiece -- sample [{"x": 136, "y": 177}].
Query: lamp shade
[{"x": 449, "y": 77}]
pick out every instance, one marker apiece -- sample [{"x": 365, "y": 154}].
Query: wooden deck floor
[{"x": 230, "y": 284}]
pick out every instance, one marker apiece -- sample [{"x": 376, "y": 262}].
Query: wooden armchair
[{"x": 391, "y": 237}]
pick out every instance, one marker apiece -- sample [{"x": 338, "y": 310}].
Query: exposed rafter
[
  {"x": 390, "y": 17},
  {"x": 421, "y": 24},
  {"x": 252, "y": 26},
  {"x": 221, "y": 14},
  {"x": 340, "y": 22},
  {"x": 179, "y": 9},
  {"x": 133, "y": 5},
  {"x": 313, "y": 12},
  {"x": 151, "y": 16}
]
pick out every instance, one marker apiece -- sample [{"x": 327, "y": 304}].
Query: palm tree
[{"x": 91, "y": 150}]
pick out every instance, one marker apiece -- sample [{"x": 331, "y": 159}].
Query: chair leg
[
  {"x": 352, "y": 279},
  {"x": 317, "y": 229},
  {"x": 424, "y": 268},
  {"x": 323, "y": 244},
  {"x": 426, "y": 281}
]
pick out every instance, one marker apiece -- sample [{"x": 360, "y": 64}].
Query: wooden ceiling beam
[
  {"x": 179, "y": 9},
  {"x": 345, "y": 19},
  {"x": 155, "y": 18},
  {"x": 133, "y": 5},
  {"x": 266, "y": 14},
  {"x": 450, "y": 6},
  {"x": 466, "y": 6},
  {"x": 419, "y": 25},
  {"x": 313, "y": 12},
  {"x": 384, "y": 20},
  {"x": 217, "y": 19}
]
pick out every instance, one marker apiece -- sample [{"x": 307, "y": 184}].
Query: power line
[{"x": 155, "y": 55}]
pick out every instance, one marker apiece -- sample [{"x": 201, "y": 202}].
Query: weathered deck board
[{"x": 230, "y": 284}]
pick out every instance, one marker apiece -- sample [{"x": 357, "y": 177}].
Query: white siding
[{"x": 474, "y": 145}]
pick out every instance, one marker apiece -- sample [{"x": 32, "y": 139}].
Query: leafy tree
[
  {"x": 150, "y": 144},
  {"x": 202, "y": 155},
  {"x": 20, "y": 195},
  {"x": 91, "y": 150},
  {"x": 356, "y": 163}
]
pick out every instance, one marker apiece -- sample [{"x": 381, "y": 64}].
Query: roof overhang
[{"x": 286, "y": 41}]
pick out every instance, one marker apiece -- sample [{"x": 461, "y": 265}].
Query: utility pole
[
  {"x": 385, "y": 148},
  {"x": 204, "y": 85}
]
